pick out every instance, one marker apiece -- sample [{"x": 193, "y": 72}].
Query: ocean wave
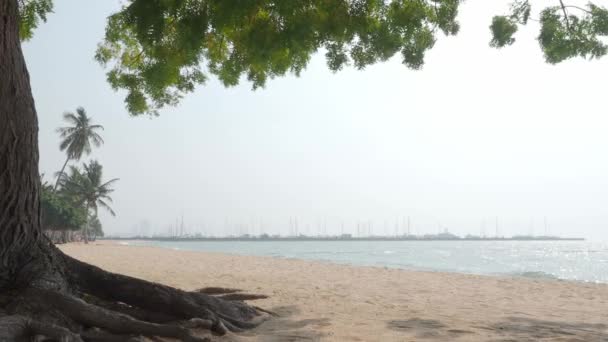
[{"x": 535, "y": 275}]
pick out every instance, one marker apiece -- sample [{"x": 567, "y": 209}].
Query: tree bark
[{"x": 20, "y": 229}]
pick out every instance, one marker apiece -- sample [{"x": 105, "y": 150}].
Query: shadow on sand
[
  {"x": 284, "y": 328},
  {"x": 529, "y": 329},
  {"x": 515, "y": 329},
  {"x": 427, "y": 329}
]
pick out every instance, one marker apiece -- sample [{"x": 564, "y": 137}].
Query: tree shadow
[
  {"x": 530, "y": 329},
  {"x": 283, "y": 328},
  {"x": 511, "y": 329},
  {"x": 427, "y": 329}
]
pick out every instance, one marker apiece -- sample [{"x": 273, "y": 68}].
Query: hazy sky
[{"x": 478, "y": 133}]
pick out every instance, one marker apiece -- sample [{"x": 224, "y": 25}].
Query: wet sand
[{"x": 320, "y": 301}]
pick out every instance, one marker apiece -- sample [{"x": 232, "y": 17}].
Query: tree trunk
[
  {"x": 20, "y": 229},
  {"x": 85, "y": 234},
  {"x": 61, "y": 173}
]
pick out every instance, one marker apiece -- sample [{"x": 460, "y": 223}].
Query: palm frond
[
  {"x": 107, "y": 198},
  {"x": 82, "y": 113},
  {"x": 108, "y": 183},
  {"x": 66, "y": 143},
  {"x": 94, "y": 127},
  {"x": 71, "y": 118},
  {"x": 65, "y": 131},
  {"x": 97, "y": 139},
  {"x": 106, "y": 207},
  {"x": 86, "y": 148}
]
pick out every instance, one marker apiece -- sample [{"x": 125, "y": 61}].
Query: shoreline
[
  {"x": 532, "y": 275},
  {"x": 327, "y": 301}
]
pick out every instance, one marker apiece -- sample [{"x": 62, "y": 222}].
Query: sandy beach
[{"x": 328, "y": 302}]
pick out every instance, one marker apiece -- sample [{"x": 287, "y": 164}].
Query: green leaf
[
  {"x": 503, "y": 29},
  {"x": 31, "y": 12}
]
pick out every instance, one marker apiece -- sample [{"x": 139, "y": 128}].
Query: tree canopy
[
  {"x": 89, "y": 187},
  {"x": 566, "y": 31},
  {"x": 59, "y": 212},
  {"x": 159, "y": 50}
]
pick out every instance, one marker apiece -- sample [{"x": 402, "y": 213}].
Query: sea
[{"x": 560, "y": 260}]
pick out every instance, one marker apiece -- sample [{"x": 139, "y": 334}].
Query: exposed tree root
[
  {"x": 242, "y": 296},
  {"x": 101, "y": 306},
  {"x": 16, "y": 328},
  {"x": 217, "y": 290},
  {"x": 97, "y": 335},
  {"x": 135, "y": 312},
  {"x": 229, "y": 294},
  {"x": 271, "y": 313},
  {"x": 225, "y": 314},
  {"x": 114, "y": 322}
]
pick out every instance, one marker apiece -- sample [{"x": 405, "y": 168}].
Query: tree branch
[
  {"x": 565, "y": 14},
  {"x": 135, "y": 59}
]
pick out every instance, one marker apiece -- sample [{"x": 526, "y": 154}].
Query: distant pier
[{"x": 346, "y": 237}]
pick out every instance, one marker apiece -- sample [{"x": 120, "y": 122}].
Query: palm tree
[
  {"x": 77, "y": 137},
  {"x": 89, "y": 189},
  {"x": 96, "y": 227}
]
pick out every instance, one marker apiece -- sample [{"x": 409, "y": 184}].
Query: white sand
[{"x": 328, "y": 302}]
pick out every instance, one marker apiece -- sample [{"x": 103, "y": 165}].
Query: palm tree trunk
[
  {"x": 85, "y": 233},
  {"x": 61, "y": 173},
  {"x": 95, "y": 232}
]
